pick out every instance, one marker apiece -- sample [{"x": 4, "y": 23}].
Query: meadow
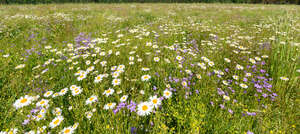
[{"x": 149, "y": 68}]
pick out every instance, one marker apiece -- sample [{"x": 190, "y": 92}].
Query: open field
[{"x": 149, "y": 68}]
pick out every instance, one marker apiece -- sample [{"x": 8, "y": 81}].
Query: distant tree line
[{"x": 149, "y": 1}]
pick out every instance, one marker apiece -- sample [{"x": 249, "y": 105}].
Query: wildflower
[
  {"x": 265, "y": 56},
  {"x": 108, "y": 92},
  {"x": 225, "y": 82},
  {"x": 257, "y": 58},
  {"x": 284, "y": 78},
  {"x": 20, "y": 66},
  {"x": 227, "y": 60},
  {"x": 23, "y": 101},
  {"x": 179, "y": 58},
  {"x": 57, "y": 111},
  {"x": 184, "y": 83},
  {"x": 131, "y": 58},
  {"x": 42, "y": 103},
  {"x": 239, "y": 67},
  {"x": 92, "y": 99},
  {"x": 48, "y": 93},
  {"x": 252, "y": 61},
  {"x": 225, "y": 97},
  {"x": 156, "y": 59},
  {"x": 109, "y": 106},
  {"x": 243, "y": 85},
  {"x": 103, "y": 63},
  {"x": 67, "y": 130},
  {"x": 211, "y": 63},
  {"x": 248, "y": 74},
  {"x": 121, "y": 67},
  {"x": 82, "y": 76},
  {"x": 167, "y": 94},
  {"x": 156, "y": 102},
  {"x": 116, "y": 82},
  {"x": 55, "y": 95},
  {"x": 145, "y": 69},
  {"x": 235, "y": 77},
  {"x": 63, "y": 91},
  {"x": 98, "y": 78},
  {"x": 89, "y": 115},
  {"x": 249, "y": 132},
  {"x": 76, "y": 91},
  {"x": 124, "y": 98},
  {"x": 12, "y": 131},
  {"x": 146, "y": 77},
  {"x": 90, "y": 69},
  {"x": 144, "y": 108},
  {"x": 198, "y": 76},
  {"x": 56, "y": 121}
]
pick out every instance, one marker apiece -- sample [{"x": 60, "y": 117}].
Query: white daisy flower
[
  {"x": 108, "y": 92},
  {"x": 179, "y": 58},
  {"x": 48, "y": 93},
  {"x": 123, "y": 98},
  {"x": 210, "y": 63},
  {"x": 116, "y": 82},
  {"x": 20, "y": 66},
  {"x": 227, "y": 60},
  {"x": 12, "y": 131},
  {"x": 257, "y": 59},
  {"x": 145, "y": 77},
  {"x": 23, "y": 101},
  {"x": 145, "y": 69},
  {"x": 167, "y": 94},
  {"x": 56, "y": 121},
  {"x": 89, "y": 115},
  {"x": 225, "y": 97},
  {"x": 115, "y": 74},
  {"x": 243, "y": 85},
  {"x": 109, "y": 106},
  {"x": 76, "y": 91},
  {"x": 82, "y": 76},
  {"x": 235, "y": 77},
  {"x": 63, "y": 91},
  {"x": 121, "y": 67},
  {"x": 43, "y": 103},
  {"x": 252, "y": 61},
  {"x": 92, "y": 99},
  {"x": 284, "y": 78},
  {"x": 239, "y": 67},
  {"x": 113, "y": 68},
  {"x": 144, "y": 108},
  {"x": 91, "y": 68},
  {"x": 156, "y": 59},
  {"x": 103, "y": 63},
  {"x": 131, "y": 58},
  {"x": 67, "y": 130},
  {"x": 156, "y": 102},
  {"x": 98, "y": 78}
]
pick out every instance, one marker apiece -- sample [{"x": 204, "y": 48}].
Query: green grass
[{"x": 215, "y": 31}]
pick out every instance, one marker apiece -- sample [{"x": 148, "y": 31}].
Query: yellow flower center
[
  {"x": 24, "y": 100},
  {"x": 56, "y": 122},
  {"x": 92, "y": 98},
  {"x": 167, "y": 93},
  {"x": 144, "y": 108},
  {"x": 154, "y": 101},
  {"x": 67, "y": 131}
]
